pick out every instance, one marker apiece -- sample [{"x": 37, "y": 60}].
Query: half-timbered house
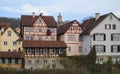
[
  {"x": 40, "y": 40},
  {"x": 70, "y": 33}
]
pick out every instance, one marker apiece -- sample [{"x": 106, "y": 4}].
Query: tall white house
[{"x": 102, "y": 33}]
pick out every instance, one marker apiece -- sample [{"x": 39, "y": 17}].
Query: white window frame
[
  {"x": 99, "y": 36},
  {"x": 116, "y": 37},
  {"x": 5, "y": 43},
  {"x": 99, "y": 48},
  {"x": 9, "y": 33},
  {"x": 71, "y": 37},
  {"x": 69, "y": 48}
]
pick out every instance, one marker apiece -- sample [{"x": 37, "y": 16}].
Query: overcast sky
[{"x": 70, "y": 9}]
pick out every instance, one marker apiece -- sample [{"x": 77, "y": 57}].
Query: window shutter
[
  {"x": 104, "y": 37},
  {"x": 105, "y": 26},
  {"x": 93, "y": 36},
  {"x": 94, "y": 47},
  {"x": 104, "y": 48},
  {"x": 118, "y": 48},
  {"x": 111, "y": 37},
  {"x": 109, "y": 26},
  {"x": 111, "y": 48}
]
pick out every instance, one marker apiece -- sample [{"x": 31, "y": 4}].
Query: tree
[
  {"x": 109, "y": 61},
  {"x": 91, "y": 57}
]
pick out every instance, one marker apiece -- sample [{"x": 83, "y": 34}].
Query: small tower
[{"x": 59, "y": 19}]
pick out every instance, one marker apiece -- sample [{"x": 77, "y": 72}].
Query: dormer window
[
  {"x": 9, "y": 33},
  {"x": 107, "y": 26}
]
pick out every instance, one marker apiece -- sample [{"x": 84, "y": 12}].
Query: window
[
  {"x": 9, "y": 33},
  {"x": 60, "y": 51},
  {"x": 29, "y": 38},
  {"x": 54, "y": 51},
  {"x": 69, "y": 49},
  {"x": 45, "y": 61},
  {"x": 107, "y": 26},
  {"x": 80, "y": 49},
  {"x": 40, "y": 30},
  {"x": 36, "y": 51},
  {"x": 99, "y": 48},
  {"x": 71, "y": 38},
  {"x": 16, "y": 61},
  {"x": 14, "y": 42},
  {"x": 9, "y": 60},
  {"x": 29, "y": 29},
  {"x": 29, "y": 61},
  {"x": 115, "y": 37},
  {"x": 36, "y": 61},
  {"x": 29, "y": 51},
  {"x": 114, "y": 26},
  {"x": 40, "y": 37},
  {"x": 115, "y": 48},
  {"x": 53, "y": 61},
  {"x": 3, "y": 60},
  {"x": 5, "y": 43},
  {"x": 99, "y": 37},
  {"x": 53, "y": 30}
]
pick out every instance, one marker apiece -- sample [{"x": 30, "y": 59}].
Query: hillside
[{"x": 15, "y": 22}]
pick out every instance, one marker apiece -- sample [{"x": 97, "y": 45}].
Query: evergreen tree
[{"x": 91, "y": 57}]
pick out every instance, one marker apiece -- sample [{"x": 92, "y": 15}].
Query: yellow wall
[{"x": 9, "y": 40}]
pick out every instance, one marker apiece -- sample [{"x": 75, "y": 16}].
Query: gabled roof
[
  {"x": 5, "y": 25},
  {"x": 44, "y": 44},
  {"x": 63, "y": 28},
  {"x": 29, "y": 20},
  {"x": 13, "y": 31},
  {"x": 91, "y": 23},
  {"x": 11, "y": 54}
]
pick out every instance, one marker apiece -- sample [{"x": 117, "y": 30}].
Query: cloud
[
  {"x": 74, "y": 9},
  {"x": 23, "y": 9}
]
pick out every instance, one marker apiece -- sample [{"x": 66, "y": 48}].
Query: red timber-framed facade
[{"x": 40, "y": 40}]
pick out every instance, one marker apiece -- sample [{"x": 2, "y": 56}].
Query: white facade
[
  {"x": 110, "y": 25},
  {"x": 86, "y": 44}
]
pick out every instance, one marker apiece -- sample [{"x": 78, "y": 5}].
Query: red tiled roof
[
  {"x": 29, "y": 20},
  {"x": 44, "y": 44},
  {"x": 11, "y": 55},
  {"x": 90, "y": 24},
  {"x": 63, "y": 28},
  {"x": 5, "y": 24}
]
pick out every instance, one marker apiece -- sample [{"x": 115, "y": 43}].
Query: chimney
[
  {"x": 97, "y": 15},
  {"x": 59, "y": 19},
  {"x": 33, "y": 13}
]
